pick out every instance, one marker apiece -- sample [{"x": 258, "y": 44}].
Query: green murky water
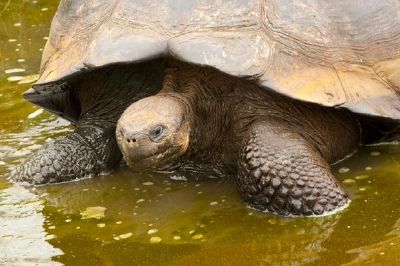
[{"x": 131, "y": 219}]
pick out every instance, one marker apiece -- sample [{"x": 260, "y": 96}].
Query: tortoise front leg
[
  {"x": 281, "y": 172},
  {"x": 90, "y": 150}
]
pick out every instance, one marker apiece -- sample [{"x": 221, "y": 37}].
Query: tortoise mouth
[
  {"x": 138, "y": 151},
  {"x": 141, "y": 154},
  {"x": 139, "y": 161},
  {"x": 147, "y": 163}
]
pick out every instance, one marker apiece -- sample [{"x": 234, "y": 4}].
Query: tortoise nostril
[
  {"x": 129, "y": 140},
  {"x": 133, "y": 140}
]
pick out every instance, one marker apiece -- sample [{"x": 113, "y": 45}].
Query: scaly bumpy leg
[
  {"x": 87, "y": 151},
  {"x": 92, "y": 148},
  {"x": 281, "y": 172}
]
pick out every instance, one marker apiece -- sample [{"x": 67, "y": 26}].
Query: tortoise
[{"x": 273, "y": 91}]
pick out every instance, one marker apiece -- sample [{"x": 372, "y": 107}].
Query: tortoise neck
[{"x": 208, "y": 113}]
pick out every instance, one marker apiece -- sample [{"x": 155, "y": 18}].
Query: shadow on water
[{"x": 142, "y": 219}]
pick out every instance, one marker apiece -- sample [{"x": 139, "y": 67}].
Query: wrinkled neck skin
[
  {"x": 218, "y": 121},
  {"x": 222, "y": 108},
  {"x": 209, "y": 119}
]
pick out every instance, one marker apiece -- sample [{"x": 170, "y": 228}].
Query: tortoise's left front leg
[{"x": 281, "y": 172}]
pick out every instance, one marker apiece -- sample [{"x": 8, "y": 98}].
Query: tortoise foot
[{"x": 280, "y": 172}]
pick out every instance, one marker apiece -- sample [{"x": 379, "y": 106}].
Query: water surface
[{"x": 141, "y": 219}]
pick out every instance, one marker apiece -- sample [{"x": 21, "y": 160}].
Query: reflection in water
[
  {"x": 385, "y": 252},
  {"x": 23, "y": 239},
  {"x": 192, "y": 222}
]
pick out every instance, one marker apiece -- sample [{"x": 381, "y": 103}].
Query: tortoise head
[{"x": 153, "y": 132}]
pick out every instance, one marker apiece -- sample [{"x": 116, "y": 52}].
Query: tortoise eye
[{"x": 156, "y": 133}]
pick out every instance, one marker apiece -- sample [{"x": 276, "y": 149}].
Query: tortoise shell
[{"x": 335, "y": 53}]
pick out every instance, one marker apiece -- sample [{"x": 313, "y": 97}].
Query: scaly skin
[
  {"x": 281, "y": 172},
  {"x": 279, "y": 147},
  {"x": 92, "y": 147},
  {"x": 65, "y": 159}
]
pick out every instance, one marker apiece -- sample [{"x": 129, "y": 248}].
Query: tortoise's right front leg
[
  {"x": 87, "y": 151},
  {"x": 281, "y": 172}
]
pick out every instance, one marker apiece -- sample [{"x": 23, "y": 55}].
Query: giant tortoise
[{"x": 271, "y": 91}]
